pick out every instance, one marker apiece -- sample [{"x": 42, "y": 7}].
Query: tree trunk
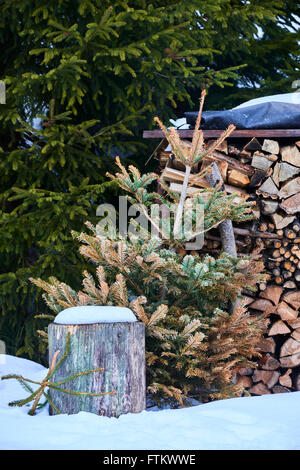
[
  {"x": 117, "y": 347},
  {"x": 225, "y": 228}
]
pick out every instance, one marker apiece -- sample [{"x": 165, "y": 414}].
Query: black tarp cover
[{"x": 270, "y": 115}]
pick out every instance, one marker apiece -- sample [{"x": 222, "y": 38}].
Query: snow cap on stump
[{"x": 88, "y": 314}]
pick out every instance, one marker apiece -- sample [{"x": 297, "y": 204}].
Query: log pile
[{"x": 269, "y": 172}]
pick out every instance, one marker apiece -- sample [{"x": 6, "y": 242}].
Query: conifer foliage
[
  {"x": 193, "y": 343},
  {"x": 90, "y": 71}
]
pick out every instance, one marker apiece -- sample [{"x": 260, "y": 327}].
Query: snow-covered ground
[{"x": 267, "y": 422}]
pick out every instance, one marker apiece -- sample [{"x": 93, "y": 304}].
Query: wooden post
[
  {"x": 117, "y": 347},
  {"x": 226, "y": 229}
]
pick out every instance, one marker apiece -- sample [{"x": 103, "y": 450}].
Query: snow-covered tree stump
[{"x": 118, "y": 348}]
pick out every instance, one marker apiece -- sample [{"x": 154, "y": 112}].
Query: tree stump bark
[{"x": 117, "y": 347}]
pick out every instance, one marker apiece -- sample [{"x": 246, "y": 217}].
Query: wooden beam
[
  {"x": 245, "y": 233},
  {"x": 240, "y": 133},
  {"x": 232, "y": 162},
  {"x": 170, "y": 174}
]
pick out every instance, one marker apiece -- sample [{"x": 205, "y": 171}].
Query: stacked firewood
[{"x": 268, "y": 171}]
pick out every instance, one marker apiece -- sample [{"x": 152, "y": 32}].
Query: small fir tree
[{"x": 193, "y": 344}]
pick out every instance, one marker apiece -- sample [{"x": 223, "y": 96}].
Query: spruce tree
[
  {"x": 90, "y": 72},
  {"x": 260, "y": 36}
]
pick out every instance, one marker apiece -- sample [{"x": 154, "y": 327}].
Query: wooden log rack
[
  {"x": 237, "y": 134},
  {"x": 265, "y": 165}
]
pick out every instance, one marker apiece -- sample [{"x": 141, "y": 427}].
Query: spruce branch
[{"x": 36, "y": 395}]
